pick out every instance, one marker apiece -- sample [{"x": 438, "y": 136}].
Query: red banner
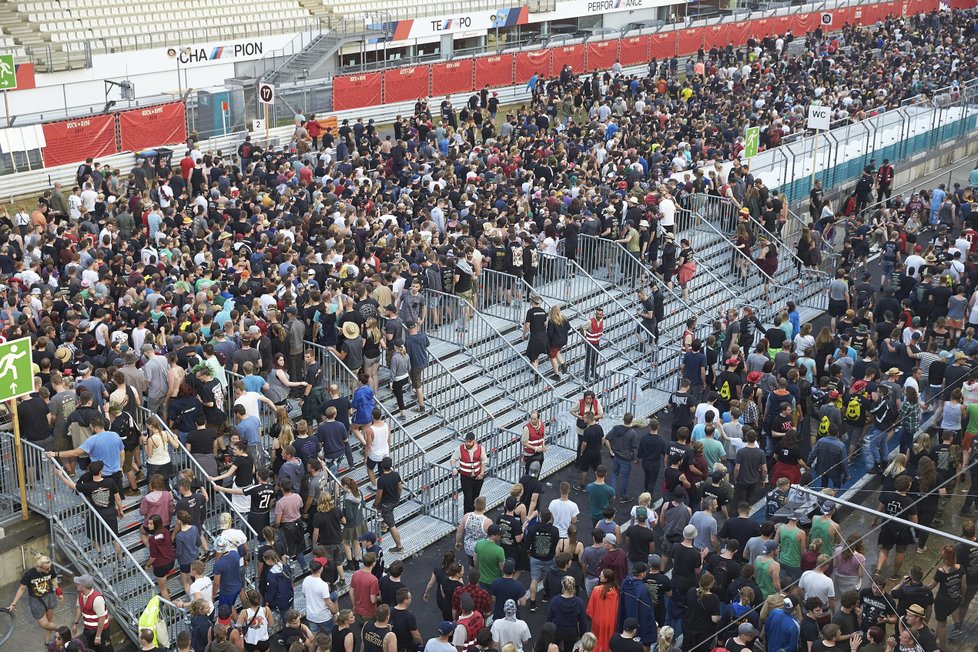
[
  {"x": 689, "y": 40},
  {"x": 153, "y": 126},
  {"x": 840, "y": 17},
  {"x": 662, "y": 46},
  {"x": 355, "y": 91},
  {"x": 963, "y": 4},
  {"x": 601, "y": 55},
  {"x": 494, "y": 71},
  {"x": 738, "y": 33},
  {"x": 451, "y": 77},
  {"x": 405, "y": 84},
  {"x": 716, "y": 36},
  {"x": 532, "y": 63},
  {"x": 760, "y": 28},
  {"x": 71, "y": 141},
  {"x": 801, "y": 24},
  {"x": 634, "y": 50},
  {"x": 914, "y": 7},
  {"x": 567, "y": 55},
  {"x": 779, "y": 25}
]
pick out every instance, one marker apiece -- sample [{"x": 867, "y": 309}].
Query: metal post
[
  {"x": 19, "y": 450},
  {"x": 882, "y": 515},
  {"x": 818, "y": 132}
]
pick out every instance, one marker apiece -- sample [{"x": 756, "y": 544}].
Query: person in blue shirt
[
  {"x": 102, "y": 446},
  {"x": 227, "y": 572},
  {"x": 249, "y": 427},
  {"x": 781, "y": 629},
  {"x": 937, "y": 196},
  {"x": 363, "y": 406}
]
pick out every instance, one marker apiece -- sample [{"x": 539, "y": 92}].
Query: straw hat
[{"x": 351, "y": 331}]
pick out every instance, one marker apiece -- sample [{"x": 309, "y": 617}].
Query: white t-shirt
[
  {"x": 437, "y": 645},
  {"x": 667, "y": 209},
  {"x": 204, "y": 586},
  {"x": 563, "y": 512},
  {"x": 316, "y": 591},
  {"x": 516, "y": 632},
  {"x": 817, "y": 585}
]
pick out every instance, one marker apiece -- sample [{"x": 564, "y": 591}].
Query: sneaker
[
  {"x": 578, "y": 487},
  {"x": 895, "y": 578},
  {"x": 921, "y": 550},
  {"x": 419, "y": 409},
  {"x": 397, "y": 549},
  {"x": 533, "y": 606},
  {"x": 625, "y": 499},
  {"x": 372, "y": 487},
  {"x": 956, "y": 631}
]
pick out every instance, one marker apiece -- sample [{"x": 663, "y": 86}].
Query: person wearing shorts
[
  {"x": 43, "y": 593},
  {"x": 948, "y": 580},
  {"x": 893, "y": 534}
]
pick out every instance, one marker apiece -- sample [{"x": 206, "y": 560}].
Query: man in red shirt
[
  {"x": 365, "y": 590},
  {"x": 884, "y": 181}
]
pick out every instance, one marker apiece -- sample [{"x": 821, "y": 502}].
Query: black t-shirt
[
  {"x": 536, "y": 317},
  {"x": 342, "y": 405},
  {"x": 741, "y": 529},
  {"x": 949, "y": 583},
  {"x": 213, "y": 392},
  {"x": 261, "y": 495},
  {"x": 542, "y": 539},
  {"x": 680, "y": 410},
  {"x": 38, "y": 583},
  {"x": 810, "y": 633},
  {"x": 201, "y": 441},
  {"x": 685, "y": 563},
  {"x": 329, "y": 526},
  {"x": 874, "y": 607},
  {"x": 510, "y": 527},
  {"x": 403, "y": 622},
  {"x": 700, "y": 611},
  {"x": 619, "y": 643},
  {"x": 638, "y": 543},
  {"x": 387, "y": 482},
  {"x": 193, "y": 505},
  {"x": 388, "y": 590},
  {"x": 245, "y": 473},
  {"x": 592, "y": 437},
  {"x": 531, "y": 486},
  {"x": 33, "y": 417},
  {"x": 899, "y": 506},
  {"x": 100, "y": 493},
  {"x": 968, "y": 558}
]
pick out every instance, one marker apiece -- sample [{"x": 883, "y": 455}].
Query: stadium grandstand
[{"x": 567, "y": 325}]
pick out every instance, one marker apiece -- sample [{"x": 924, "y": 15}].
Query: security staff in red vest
[
  {"x": 92, "y": 613},
  {"x": 533, "y": 442},
  {"x": 469, "y": 462}
]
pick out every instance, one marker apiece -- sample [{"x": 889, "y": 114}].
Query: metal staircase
[{"x": 308, "y": 60}]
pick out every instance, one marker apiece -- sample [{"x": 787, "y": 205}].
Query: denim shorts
[{"x": 539, "y": 568}]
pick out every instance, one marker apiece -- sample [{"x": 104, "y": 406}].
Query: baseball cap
[
  {"x": 509, "y": 567},
  {"x": 639, "y": 567},
  {"x": 535, "y": 469},
  {"x": 85, "y": 580},
  {"x": 611, "y": 538},
  {"x": 368, "y": 536},
  {"x": 655, "y": 561},
  {"x": 446, "y": 627},
  {"x": 788, "y": 604},
  {"x": 746, "y": 629},
  {"x": 493, "y": 530},
  {"x": 770, "y": 546},
  {"x": 641, "y": 513},
  {"x": 630, "y": 625}
]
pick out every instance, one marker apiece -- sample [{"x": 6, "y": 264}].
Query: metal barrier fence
[
  {"x": 90, "y": 544},
  {"x": 841, "y": 153}
]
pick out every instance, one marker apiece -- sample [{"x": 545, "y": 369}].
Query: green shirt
[
  {"x": 762, "y": 575},
  {"x": 713, "y": 451},
  {"x": 972, "y": 419},
  {"x": 599, "y": 496},
  {"x": 490, "y": 556},
  {"x": 790, "y": 548},
  {"x": 820, "y": 530}
]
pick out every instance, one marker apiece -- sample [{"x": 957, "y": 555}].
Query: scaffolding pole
[{"x": 881, "y": 515}]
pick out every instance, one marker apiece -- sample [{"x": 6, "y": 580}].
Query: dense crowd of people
[{"x": 191, "y": 295}]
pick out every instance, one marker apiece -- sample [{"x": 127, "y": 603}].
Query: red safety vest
[
  {"x": 594, "y": 331},
  {"x": 535, "y": 438},
  {"x": 87, "y": 606},
  {"x": 583, "y": 408},
  {"x": 470, "y": 462}
]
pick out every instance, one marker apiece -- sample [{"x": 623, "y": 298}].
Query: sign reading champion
[{"x": 198, "y": 54}]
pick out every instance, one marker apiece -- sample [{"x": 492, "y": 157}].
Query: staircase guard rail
[
  {"x": 80, "y": 532},
  {"x": 412, "y": 463}
]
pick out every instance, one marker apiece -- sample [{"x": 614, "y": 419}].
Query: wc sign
[{"x": 818, "y": 117}]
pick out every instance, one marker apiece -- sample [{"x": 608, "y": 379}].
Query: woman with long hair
[
  {"x": 571, "y": 545},
  {"x": 279, "y": 383},
  {"x": 547, "y": 639},
  {"x": 896, "y": 467},
  {"x": 157, "y": 443},
  {"x": 558, "y": 331},
  {"x": 438, "y": 576},
  {"x": 602, "y": 608},
  {"x": 400, "y": 368},
  {"x": 825, "y": 345},
  {"x": 702, "y": 614},
  {"x": 849, "y": 564},
  {"x": 372, "y": 340},
  {"x": 327, "y": 530},
  {"x": 921, "y": 448},
  {"x": 949, "y": 582},
  {"x": 161, "y": 552},
  {"x": 928, "y": 498},
  {"x": 286, "y": 437},
  {"x": 666, "y": 640}
]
